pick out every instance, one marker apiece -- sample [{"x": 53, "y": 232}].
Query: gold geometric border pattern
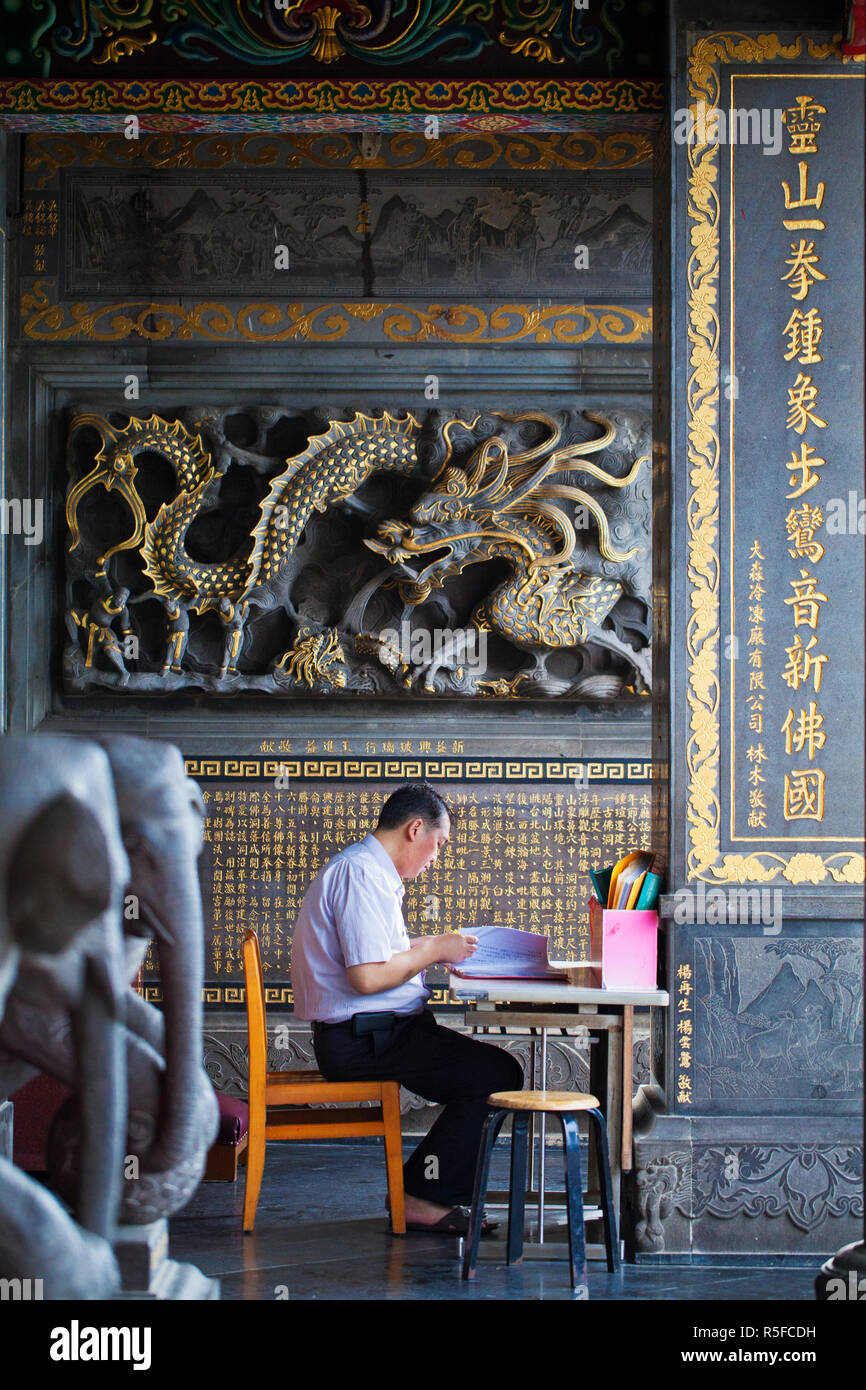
[
  {"x": 375, "y": 769},
  {"x": 235, "y": 995},
  {"x": 575, "y": 150},
  {"x": 703, "y": 808},
  {"x": 261, "y": 322}
]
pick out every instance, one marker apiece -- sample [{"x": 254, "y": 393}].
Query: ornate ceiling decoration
[{"x": 185, "y": 34}]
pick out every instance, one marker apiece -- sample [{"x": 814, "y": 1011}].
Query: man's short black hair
[{"x": 410, "y": 801}]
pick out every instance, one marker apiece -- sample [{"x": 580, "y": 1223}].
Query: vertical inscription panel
[
  {"x": 524, "y": 835},
  {"x": 768, "y": 614},
  {"x": 795, "y": 427}
]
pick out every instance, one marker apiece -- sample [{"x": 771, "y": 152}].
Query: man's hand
[{"x": 455, "y": 947}]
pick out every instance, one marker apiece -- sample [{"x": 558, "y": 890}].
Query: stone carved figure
[
  {"x": 233, "y": 617},
  {"x": 171, "y": 1107},
  {"x": 97, "y": 626},
  {"x": 177, "y": 635},
  {"x": 173, "y": 1115},
  {"x": 63, "y": 980},
  {"x": 659, "y": 1184}
]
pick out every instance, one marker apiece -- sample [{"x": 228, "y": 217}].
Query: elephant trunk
[
  {"x": 188, "y": 1115},
  {"x": 100, "y": 1039}
]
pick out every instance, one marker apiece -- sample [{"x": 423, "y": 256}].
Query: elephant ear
[{"x": 59, "y": 876}]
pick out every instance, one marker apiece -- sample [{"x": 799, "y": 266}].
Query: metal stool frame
[{"x": 517, "y": 1190}]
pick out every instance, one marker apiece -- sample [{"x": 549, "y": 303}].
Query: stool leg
[
  {"x": 574, "y": 1197},
  {"x": 492, "y": 1126},
  {"x": 517, "y": 1187},
  {"x": 608, "y": 1213}
]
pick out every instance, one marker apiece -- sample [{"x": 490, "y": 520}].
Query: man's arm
[{"x": 376, "y": 976}]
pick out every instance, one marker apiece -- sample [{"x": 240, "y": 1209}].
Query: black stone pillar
[{"x": 750, "y": 1140}]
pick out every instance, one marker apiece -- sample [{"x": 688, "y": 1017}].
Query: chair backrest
[{"x": 257, "y": 1028}]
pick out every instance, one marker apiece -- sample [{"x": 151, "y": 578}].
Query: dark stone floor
[{"x": 321, "y": 1233}]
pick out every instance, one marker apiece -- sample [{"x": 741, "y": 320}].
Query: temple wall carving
[{"x": 466, "y": 554}]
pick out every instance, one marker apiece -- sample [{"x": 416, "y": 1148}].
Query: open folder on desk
[{"x": 504, "y": 953}]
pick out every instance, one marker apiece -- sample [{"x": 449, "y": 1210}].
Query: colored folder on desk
[
  {"x": 649, "y": 893},
  {"x": 634, "y": 892},
  {"x": 630, "y": 880},
  {"x": 618, "y": 870},
  {"x": 600, "y": 879}
]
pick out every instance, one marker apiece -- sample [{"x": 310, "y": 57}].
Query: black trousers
[{"x": 441, "y": 1065}]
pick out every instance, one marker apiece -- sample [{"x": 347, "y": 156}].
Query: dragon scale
[
  {"x": 331, "y": 468},
  {"x": 535, "y": 607}
]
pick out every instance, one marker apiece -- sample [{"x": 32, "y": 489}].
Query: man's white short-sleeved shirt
[{"x": 351, "y": 914}]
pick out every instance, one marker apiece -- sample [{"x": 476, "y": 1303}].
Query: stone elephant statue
[
  {"x": 62, "y": 875},
  {"x": 173, "y": 1111}
]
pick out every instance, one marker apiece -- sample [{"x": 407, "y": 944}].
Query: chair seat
[{"x": 543, "y": 1100}]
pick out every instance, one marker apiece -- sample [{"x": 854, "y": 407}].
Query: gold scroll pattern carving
[
  {"x": 261, "y": 322},
  {"x": 573, "y": 150},
  {"x": 704, "y": 859}
]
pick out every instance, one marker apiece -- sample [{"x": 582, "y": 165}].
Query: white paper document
[{"x": 508, "y": 954}]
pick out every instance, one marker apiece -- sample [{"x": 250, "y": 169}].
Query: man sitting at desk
[{"x": 360, "y": 981}]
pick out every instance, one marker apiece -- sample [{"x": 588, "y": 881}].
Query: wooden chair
[
  {"x": 565, "y": 1105},
  {"x": 280, "y": 1102}
]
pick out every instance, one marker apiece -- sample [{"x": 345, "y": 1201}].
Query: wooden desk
[{"x": 607, "y": 1015}]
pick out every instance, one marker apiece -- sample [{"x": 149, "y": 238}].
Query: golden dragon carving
[
  {"x": 332, "y": 467},
  {"x": 506, "y": 507},
  {"x": 502, "y": 505}
]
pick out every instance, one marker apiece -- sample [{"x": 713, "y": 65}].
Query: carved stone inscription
[
  {"x": 258, "y": 548},
  {"x": 518, "y": 855},
  {"x": 796, "y": 580}
]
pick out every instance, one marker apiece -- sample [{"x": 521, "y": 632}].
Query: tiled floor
[{"x": 321, "y": 1233}]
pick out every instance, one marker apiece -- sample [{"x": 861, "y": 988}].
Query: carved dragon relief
[
  {"x": 197, "y": 560},
  {"x": 505, "y": 507}
]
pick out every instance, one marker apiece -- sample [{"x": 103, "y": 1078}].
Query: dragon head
[
  {"x": 504, "y": 505},
  {"x": 446, "y": 522}
]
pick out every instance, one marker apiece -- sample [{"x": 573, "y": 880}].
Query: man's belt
[{"x": 364, "y": 1023}]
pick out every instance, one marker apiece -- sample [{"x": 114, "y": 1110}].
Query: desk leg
[
  {"x": 531, "y": 1087},
  {"x": 605, "y": 1082},
  {"x": 543, "y": 1128},
  {"x": 627, "y": 1084}
]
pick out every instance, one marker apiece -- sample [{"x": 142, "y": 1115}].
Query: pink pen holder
[{"x": 625, "y": 945}]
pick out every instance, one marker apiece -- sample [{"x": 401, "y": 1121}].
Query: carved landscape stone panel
[
  {"x": 768, "y": 1020},
  {"x": 390, "y": 234}
]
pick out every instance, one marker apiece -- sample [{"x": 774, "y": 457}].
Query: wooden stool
[{"x": 565, "y": 1104}]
